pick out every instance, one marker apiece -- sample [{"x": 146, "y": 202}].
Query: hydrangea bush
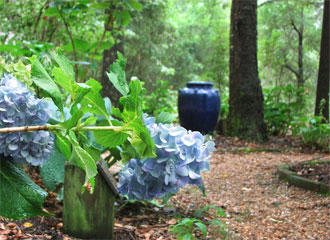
[
  {"x": 181, "y": 157},
  {"x": 165, "y": 157},
  {"x": 19, "y": 107}
]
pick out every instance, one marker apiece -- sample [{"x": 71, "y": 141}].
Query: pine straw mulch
[{"x": 242, "y": 181}]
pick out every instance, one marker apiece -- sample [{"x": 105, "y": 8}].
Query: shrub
[{"x": 161, "y": 99}]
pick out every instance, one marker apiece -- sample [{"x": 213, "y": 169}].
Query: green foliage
[
  {"x": 117, "y": 75},
  {"x": 278, "y": 44},
  {"x": 20, "y": 197},
  {"x": 161, "y": 99},
  {"x": 179, "y": 41},
  {"x": 52, "y": 171},
  {"x": 41, "y": 79},
  {"x": 185, "y": 228},
  {"x": 280, "y": 109},
  {"x": 165, "y": 118},
  {"x": 314, "y": 131},
  {"x": 224, "y": 111},
  {"x": 282, "y": 118},
  {"x": 18, "y": 70}
]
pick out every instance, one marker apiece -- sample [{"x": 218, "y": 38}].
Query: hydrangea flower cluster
[
  {"x": 19, "y": 107},
  {"x": 181, "y": 157}
]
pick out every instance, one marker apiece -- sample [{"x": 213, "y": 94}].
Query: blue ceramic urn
[{"x": 199, "y": 106}]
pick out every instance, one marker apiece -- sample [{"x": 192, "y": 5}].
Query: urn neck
[{"x": 199, "y": 84}]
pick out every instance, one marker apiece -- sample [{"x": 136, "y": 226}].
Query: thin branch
[
  {"x": 295, "y": 28},
  {"x": 24, "y": 129},
  {"x": 58, "y": 127},
  {"x": 110, "y": 20},
  {"x": 39, "y": 16},
  {"x": 72, "y": 42},
  {"x": 291, "y": 69},
  {"x": 51, "y": 34},
  {"x": 267, "y": 2}
]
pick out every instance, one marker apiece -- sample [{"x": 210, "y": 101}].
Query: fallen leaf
[
  {"x": 11, "y": 225},
  {"x": 27, "y": 224},
  {"x": 129, "y": 219},
  {"x": 59, "y": 225},
  {"x": 171, "y": 221},
  {"x": 19, "y": 234}
]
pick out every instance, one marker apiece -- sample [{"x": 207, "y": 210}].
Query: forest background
[{"x": 170, "y": 42}]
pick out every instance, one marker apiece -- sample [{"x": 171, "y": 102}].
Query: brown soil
[
  {"x": 242, "y": 181},
  {"x": 319, "y": 172}
]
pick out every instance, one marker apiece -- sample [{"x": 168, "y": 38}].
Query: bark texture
[
  {"x": 246, "y": 115},
  {"x": 323, "y": 81}
]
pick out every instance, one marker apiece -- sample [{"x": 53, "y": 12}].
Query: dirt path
[{"x": 259, "y": 205}]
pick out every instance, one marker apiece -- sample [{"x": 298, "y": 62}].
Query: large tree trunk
[
  {"x": 323, "y": 81},
  {"x": 109, "y": 56},
  {"x": 246, "y": 114}
]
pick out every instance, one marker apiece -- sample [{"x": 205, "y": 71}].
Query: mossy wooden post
[{"x": 89, "y": 216}]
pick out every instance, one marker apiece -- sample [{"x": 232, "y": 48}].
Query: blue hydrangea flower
[
  {"x": 19, "y": 107},
  {"x": 181, "y": 157}
]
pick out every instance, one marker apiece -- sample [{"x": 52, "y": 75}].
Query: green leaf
[
  {"x": 202, "y": 188},
  {"x": 141, "y": 139},
  {"x": 132, "y": 104},
  {"x": 187, "y": 236},
  {"x": 63, "y": 145},
  {"x": 135, "y": 5},
  {"x": 41, "y": 78},
  {"x": 82, "y": 90},
  {"x": 202, "y": 228},
  {"x": 64, "y": 64},
  {"x": 52, "y": 171},
  {"x": 84, "y": 160},
  {"x": 104, "y": 45},
  {"x": 117, "y": 75},
  {"x": 130, "y": 111},
  {"x": 80, "y": 45},
  {"x": 128, "y": 152},
  {"x": 65, "y": 81},
  {"x": 125, "y": 17},
  {"x": 165, "y": 117},
  {"x": 20, "y": 197},
  {"x": 93, "y": 101},
  {"x": 110, "y": 139},
  {"x": 8, "y": 48},
  {"x": 89, "y": 121},
  {"x": 95, "y": 153},
  {"x": 73, "y": 121},
  {"x": 100, "y": 5},
  {"x": 52, "y": 12}
]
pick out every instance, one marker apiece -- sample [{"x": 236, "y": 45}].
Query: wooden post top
[{"x": 102, "y": 168}]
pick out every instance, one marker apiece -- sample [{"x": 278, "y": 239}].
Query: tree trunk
[
  {"x": 246, "y": 114},
  {"x": 109, "y": 56},
  {"x": 300, "y": 76},
  {"x": 323, "y": 81},
  {"x": 299, "y": 73}
]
